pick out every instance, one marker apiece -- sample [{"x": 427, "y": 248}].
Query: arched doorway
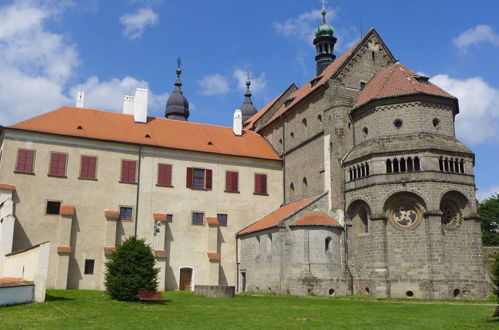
[{"x": 185, "y": 279}]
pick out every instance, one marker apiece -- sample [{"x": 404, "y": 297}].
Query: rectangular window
[
  {"x": 169, "y": 218},
  {"x": 53, "y": 207},
  {"x": 197, "y": 218},
  {"x": 231, "y": 181},
  {"x": 199, "y": 178},
  {"x": 125, "y": 213},
  {"x": 164, "y": 175},
  {"x": 260, "y": 184},
  {"x": 88, "y": 167},
  {"x": 89, "y": 266},
  {"x": 25, "y": 161},
  {"x": 58, "y": 164},
  {"x": 222, "y": 220},
  {"x": 128, "y": 171}
]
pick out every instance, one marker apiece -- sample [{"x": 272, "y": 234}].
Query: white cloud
[
  {"x": 258, "y": 84},
  {"x": 214, "y": 84},
  {"x": 476, "y": 35},
  {"x": 136, "y": 23},
  {"x": 487, "y": 193},
  {"x": 478, "y": 120}
]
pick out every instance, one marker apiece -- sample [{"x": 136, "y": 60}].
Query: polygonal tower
[
  {"x": 324, "y": 43},
  {"x": 248, "y": 109},
  {"x": 177, "y": 106}
]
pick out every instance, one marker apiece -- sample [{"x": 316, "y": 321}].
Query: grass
[{"x": 81, "y": 309}]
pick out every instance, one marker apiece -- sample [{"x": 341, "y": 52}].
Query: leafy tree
[
  {"x": 130, "y": 269},
  {"x": 489, "y": 212}
]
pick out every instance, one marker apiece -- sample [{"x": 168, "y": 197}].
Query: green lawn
[{"x": 93, "y": 309}]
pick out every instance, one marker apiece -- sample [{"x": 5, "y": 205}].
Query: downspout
[
  {"x": 237, "y": 263},
  {"x": 138, "y": 190}
]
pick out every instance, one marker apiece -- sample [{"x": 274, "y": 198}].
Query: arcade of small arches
[
  {"x": 408, "y": 164},
  {"x": 358, "y": 172},
  {"x": 453, "y": 165}
]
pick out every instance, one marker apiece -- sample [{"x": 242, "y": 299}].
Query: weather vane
[
  {"x": 248, "y": 75},
  {"x": 179, "y": 62}
]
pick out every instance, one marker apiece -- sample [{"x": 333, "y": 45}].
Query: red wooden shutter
[
  {"x": 25, "y": 161},
  {"x": 257, "y": 184},
  {"x": 263, "y": 184},
  {"x": 188, "y": 181},
  {"x": 164, "y": 174},
  {"x": 128, "y": 171},
  {"x": 209, "y": 179},
  {"x": 88, "y": 167},
  {"x": 228, "y": 181},
  {"x": 57, "y": 164},
  {"x": 235, "y": 181}
]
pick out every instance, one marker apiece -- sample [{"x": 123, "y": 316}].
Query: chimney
[
  {"x": 140, "y": 105},
  {"x": 237, "y": 126},
  {"x": 128, "y": 103},
  {"x": 80, "y": 97}
]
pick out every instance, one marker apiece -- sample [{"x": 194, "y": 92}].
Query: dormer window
[
  {"x": 362, "y": 85},
  {"x": 422, "y": 79},
  {"x": 314, "y": 81},
  {"x": 288, "y": 101}
]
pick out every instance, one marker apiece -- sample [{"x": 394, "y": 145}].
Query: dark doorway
[
  {"x": 243, "y": 281},
  {"x": 185, "y": 279}
]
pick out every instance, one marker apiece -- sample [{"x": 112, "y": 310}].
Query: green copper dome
[{"x": 324, "y": 30}]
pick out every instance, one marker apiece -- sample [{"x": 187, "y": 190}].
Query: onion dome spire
[
  {"x": 177, "y": 106},
  {"x": 248, "y": 109},
  {"x": 324, "y": 43}
]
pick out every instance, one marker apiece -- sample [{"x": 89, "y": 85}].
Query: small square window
[
  {"x": 222, "y": 220},
  {"x": 169, "y": 218},
  {"x": 125, "y": 213},
  {"x": 53, "y": 207},
  {"x": 197, "y": 218},
  {"x": 89, "y": 266}
]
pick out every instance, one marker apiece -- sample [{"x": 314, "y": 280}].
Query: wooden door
[{"x": 185, "y": 279}]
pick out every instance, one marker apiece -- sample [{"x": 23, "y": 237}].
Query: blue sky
[{"x": 51, "y": 49}]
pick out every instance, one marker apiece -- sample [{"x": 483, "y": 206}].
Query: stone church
[{"x": 353, "y": 183}]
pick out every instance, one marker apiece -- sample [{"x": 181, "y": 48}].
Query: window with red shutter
[
  {"x": 209, "y": 179},
  {"x": 164, "y": 175},
  {"x": 231, "y": 181},
  {"x": 260, "y": 184},
  {"x": 25, "y": 161},
  {"x": 189, "y": 177},
  {"x": 199, "y": 178},
  {"x": 57, "y": 164},
  {"x": 128, "y": 171},
  {"x": 88, "y": 167}
]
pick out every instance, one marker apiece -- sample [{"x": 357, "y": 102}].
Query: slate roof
[
  {"x": 397, "y": 80},
  {"x": 159, "y": 132},
  {"x": 316, "y": 218},
  {"x": 274, "y": 219}
]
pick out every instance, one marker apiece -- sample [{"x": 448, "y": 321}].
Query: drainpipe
[{"x": 138, "y": 190}]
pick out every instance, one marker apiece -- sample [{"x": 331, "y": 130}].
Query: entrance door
[
  {"x": 185, "y": 279},
  {"x": 243, "y": 280}
]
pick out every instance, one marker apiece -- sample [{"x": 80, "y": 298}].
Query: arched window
[
  {"x": 402, "y": 165},
  {"x": 350, "y": 172},
  {"x": 446, "y": 165},
  {"x": 451, "y": 165},
  {"x": 358, "y": 172},
  {"x": 304, "y": 184},
  {"x": 462, "y": 166},
  {"x": 395, "y": 165},
  {"x": 364, "y": 219},
  {"x": 354, "y": 171},
  {"x": 319, "y": 117},
  {"x": 327, "y": 244},
  {"x": 367, "y": 169},
  {"x": 363, "y": 170},
  {"x": 441, "y": 164},
  {"x": 304, "y": 122},
  {"x": 292, "y": 187},
  {"x": 456, "y": 165},
  {"x": 410, "y": 165},
  {"x": 388, "y": 166},
  {"x": 417, "y": 165}
]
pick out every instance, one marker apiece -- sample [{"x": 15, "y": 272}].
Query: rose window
[
  {"x": 405, "y": 215},
  {"x": 451, "y": 216}
]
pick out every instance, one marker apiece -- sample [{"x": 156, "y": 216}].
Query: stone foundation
[{"x": 215, "y": 291}]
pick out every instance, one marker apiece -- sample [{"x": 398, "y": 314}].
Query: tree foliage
[
  {"x": 131, "y": 269},
  {"x": 489, "y": 212}
]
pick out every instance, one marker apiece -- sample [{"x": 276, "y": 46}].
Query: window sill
[
  {"x": 57, "y": 176},
  {"x": 202, "y": 189},
  {"x": 27, "y": 173},
  {"x": 259, "y": 194},
  {"x": 232, "y": 192},
  {"x": 127, "y": 220},
  {"x": 125, "y": 182},
  {"x": 197, "y": 224},
  {"x": 87, "y": 179},
  {"x": 164, "y": 185}
]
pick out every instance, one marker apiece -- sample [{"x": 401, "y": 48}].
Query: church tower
[
  {"x": 248, "y": 109},
  {"x": 177, "y": 106},
  {"x": 324, "y": 43}
]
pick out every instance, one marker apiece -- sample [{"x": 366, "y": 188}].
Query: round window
[
  {"x": 405, "y": 216},
  {"x": 397, "y": 123}
]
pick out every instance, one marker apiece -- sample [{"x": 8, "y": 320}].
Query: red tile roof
[
  {"x": 159, "y": 132},
  {"x": 111, "y": 214},
  {"x": 10, "y": 279},
  {"x": 274, "y": 219},
  {"x": 159, "y": 216},
  {"x": 67, "y": 210},
  {"x": 315, "y": 218},
  {"x": 4, "y": 186},
  {"x": 212, "y": 221},
  {"x": 64, "y": 249},
  {"x": 213, "y": 256},
  {"x": 161, "y": 253},
  {"x": 397, "y": 80},
  {"x": 109, "y": 249}
]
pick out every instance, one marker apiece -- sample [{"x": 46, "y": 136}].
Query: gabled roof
[
  {"x": 331, "y": 71},
  {"x": 274, "y": 219},
  {"x": 159, "y": 132},
  {"x": 397, "y": 80},
  {"x": 316, "y": 218}
]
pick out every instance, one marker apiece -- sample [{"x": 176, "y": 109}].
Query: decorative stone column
[
  {"x": 64, "y": 247},
  {"x": 213, "y": 253},
  {"x": 159, "y": 245}
]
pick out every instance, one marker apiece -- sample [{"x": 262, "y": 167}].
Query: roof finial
[
  {"x": 179, "y": 63},
  {"x": 323, "y": 10},
  {"x": 248, "y": 81}
]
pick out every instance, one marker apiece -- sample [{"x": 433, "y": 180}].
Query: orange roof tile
[
  {"x": 111, "y": 214},
  {"x": 397, "y": 80},
  {"x": 10, "y": 279},
  {"x": 315, "y": 218},
  {"x": 109, "y": 249},
  {"x": 161, "y": 253},
  {"x": 273, "y": 219},
  {"x": 4, "y": 186},
  {"x": 67, "y": 210},
  {"x": 212, "y": 220},
  {"x": 213, "y": 256},
  {"x": 159, "y": 216},
  {"x": 159, "y": 132},
  {"x": 64, "y": 249}
]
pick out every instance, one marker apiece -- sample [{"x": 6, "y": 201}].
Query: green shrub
[{"x": 131, "y": 269}]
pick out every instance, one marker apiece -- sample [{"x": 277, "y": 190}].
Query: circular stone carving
[
  {"x": 405, "y": 216},
  {"x": 452, "y": 216}
]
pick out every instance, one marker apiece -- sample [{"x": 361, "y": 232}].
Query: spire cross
[
  {"x": 323, "y": 4},
  {"x": 323, "y": 10},
  {"x": 179, "y": 62}
]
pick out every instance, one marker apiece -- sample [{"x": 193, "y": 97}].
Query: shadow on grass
[{"x": 49, "y": 297}]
